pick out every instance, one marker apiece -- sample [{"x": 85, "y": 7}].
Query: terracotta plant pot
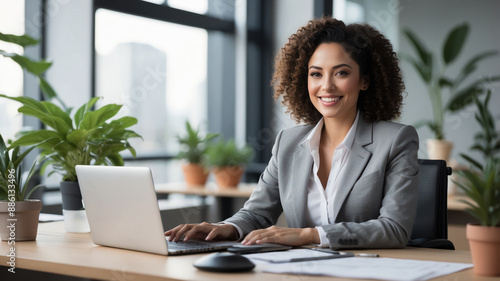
[
  {"x": 195, "y": 175},
  {"x": 23, "y": 225},
  {"x": 484, "y": 242},
  {"x": 228, "y": 177},
  {"x": 439, "y": 149}
]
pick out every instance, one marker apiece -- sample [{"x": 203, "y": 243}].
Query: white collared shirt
[
  {"x": 316, "y": 195},
  {"x": 320, "y": 200}
]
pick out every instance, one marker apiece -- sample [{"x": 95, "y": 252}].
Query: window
[
  {"x": 195, "y": 6},
  {"x": 161, "y": 61},
  {"x": 157, "y": 70},
  {"x": 11, "y": 75}
]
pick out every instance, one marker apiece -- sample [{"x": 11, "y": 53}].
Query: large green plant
[
  {"x": 193, "y": 144},
  {"x": 447, "y": 93},
  {"x": 86, "y": 137},
  {"x": 13, "y": 186},
  {"x": 483, "y": 188},
  {"x": 487, "y": 141},
  {"x": 482, "y": 183}
]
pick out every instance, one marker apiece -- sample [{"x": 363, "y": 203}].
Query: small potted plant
[
  {"x": 18, "y": 213},
  {"x": 447, "y": 94},
  {"x": 227, "y": 161},
  {"x": 482, "y": 186},
  {"x": 193, "y": 148}
]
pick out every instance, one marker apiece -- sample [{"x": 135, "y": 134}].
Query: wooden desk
[{"x": 59, "y": 252}]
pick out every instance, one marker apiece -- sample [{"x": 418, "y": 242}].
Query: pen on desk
[
  {"x": 364, "y": 255},
  {"x": 325, "y": 250}
]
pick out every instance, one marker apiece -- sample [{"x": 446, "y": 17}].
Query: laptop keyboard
[{"x": 193, "y": 247}]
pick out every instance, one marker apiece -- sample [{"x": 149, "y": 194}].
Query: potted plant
[
  {"x": 446, "y": 93},
  {"x": 482, "y": 186},
  {"x": 18, "y": 213},
  {"x": 227, "y": 161},
  {"x": 193, "y": 148},
  {"x": 85, "y": 137}
]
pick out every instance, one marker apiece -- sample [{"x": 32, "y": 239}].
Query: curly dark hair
[{"x": 367, "y": 47}]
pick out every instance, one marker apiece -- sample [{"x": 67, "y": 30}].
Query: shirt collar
[{"x": 312, "y": 140}]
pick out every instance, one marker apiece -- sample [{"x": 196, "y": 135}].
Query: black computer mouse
[{"x": 224, "y": 262}]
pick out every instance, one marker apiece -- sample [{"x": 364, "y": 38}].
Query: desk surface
[{"x": 57, "y": 251}]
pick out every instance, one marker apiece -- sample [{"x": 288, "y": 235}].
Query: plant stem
[{"x": 437, "y": 109}]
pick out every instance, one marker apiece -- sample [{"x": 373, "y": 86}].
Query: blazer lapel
[
  {"x": 355, "y": 164},
  {"x": 302, "y": 161}
]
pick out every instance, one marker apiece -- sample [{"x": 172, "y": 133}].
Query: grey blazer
[{"x": 376, "y": 202}]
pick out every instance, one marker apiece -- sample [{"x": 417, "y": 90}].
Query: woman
[{"x": 348, "y": 178}]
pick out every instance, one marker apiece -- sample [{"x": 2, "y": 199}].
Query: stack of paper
[{"x": 357, "y": 267}]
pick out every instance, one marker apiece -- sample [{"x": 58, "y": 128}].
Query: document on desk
[
  {"x": 297, "y": 255},
  {"x": 363, "y": 268}
]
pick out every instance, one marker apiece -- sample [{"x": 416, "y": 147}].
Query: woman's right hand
[{"x": 203, "y": 231}]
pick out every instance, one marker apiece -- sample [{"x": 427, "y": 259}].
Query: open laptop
[{"x": 122, "y": 210}]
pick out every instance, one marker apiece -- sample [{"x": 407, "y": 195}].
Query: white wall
[
  {"x": 432, "y": 19},
  {"x": 289, "y": 16},
  {"x": 69, "y": 47}
]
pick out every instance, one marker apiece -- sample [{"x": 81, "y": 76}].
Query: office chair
[{"x": 430, "y": 229}]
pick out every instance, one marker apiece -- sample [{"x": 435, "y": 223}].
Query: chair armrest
[{"x": 432, "y": 243}]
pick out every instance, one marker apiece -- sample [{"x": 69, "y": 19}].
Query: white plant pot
[{"x": 439, "y": 149}]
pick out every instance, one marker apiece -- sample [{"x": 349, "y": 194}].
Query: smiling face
[{"x": 334, "y": 82}]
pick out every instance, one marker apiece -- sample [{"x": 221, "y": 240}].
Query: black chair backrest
[{"x": 431, "y": 222}]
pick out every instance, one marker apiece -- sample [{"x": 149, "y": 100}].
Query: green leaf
[
  {"x": 50, "y": 94},
  {"x": 35, "y": 67},
  {"x": 424, "y": 55},
  {"x": 80, "y": 113},
  {"x": 464, "y": 97},
  {"x": 445, "y": 82},
  {"x": 36, "y": 138},
  {"x": 24, "y": 187},
  {"x": 471, "y": 65},
  {"x": 454, "y": 43},
  {"x": 78, "y": 137},
  {"x": 51, "y": 115},
  {"x": 47, "y": 90},
  {"x": 19, "y": 157},
  {"x": 46, "y": 112},
  {"x": 424, "y": 71},
  {"x": 26, "y": 101},
  {"x": 21, "y": 40},
  {"x": 4, "y": 155},
  {"x": 96, "y": 118},
  {"x": 123, "y": 122},
  {"x": 472, "y": 161}
]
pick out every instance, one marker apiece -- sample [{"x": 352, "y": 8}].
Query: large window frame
[{"x": 221, "y": 83}]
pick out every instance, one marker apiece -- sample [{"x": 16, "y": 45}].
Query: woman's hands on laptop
[
  {"x": 273, "y": 234},
  {"x": 283, "y": 236},
  {"x": 203, "y": 231}
]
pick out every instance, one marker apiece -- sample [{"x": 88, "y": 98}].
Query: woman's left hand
[{"x": 283, "y": 235}]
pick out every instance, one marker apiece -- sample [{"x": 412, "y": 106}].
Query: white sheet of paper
[{"x": 363, "y": 268}]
